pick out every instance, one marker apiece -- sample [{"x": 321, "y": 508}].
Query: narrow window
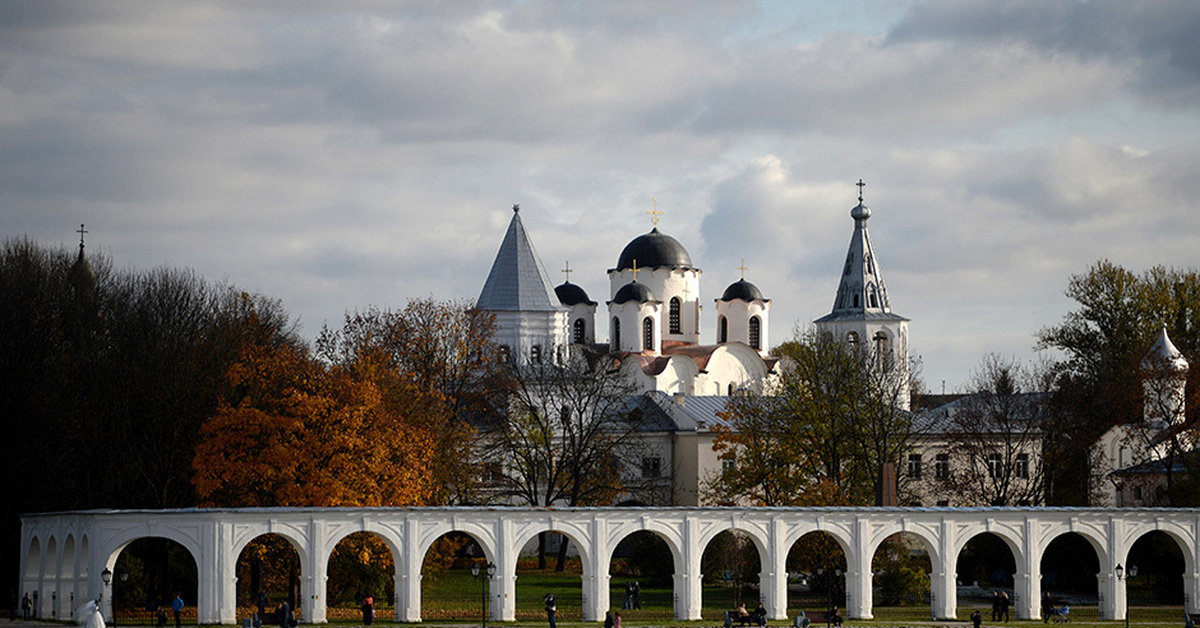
[
  {"x": 652, "y": 467},
  {"x": 941, "y": 467},
  {"x": 728, "y": 466},
  {"x": 577, "y": 331},
  {"x": 535, "y": 354},
  {"x": 852, "y": 339},
  {"x": 1022, "y": 466},
  {"x": 723, "y": 330},
  {"x": 647, "y": 334},
  {"x": 674, "y": 315},
  {"x": 883, "y": 352},
  {"x": 616, "y": 334},
  {"x": 995, "y": 466},
  {"x": 755, "y": 333},
  {"x": 914, "y": 466},
  {"x": 505, "y": 354},
  {"x": 874, "y": 300},
  {"x": 855, "y": 299}
]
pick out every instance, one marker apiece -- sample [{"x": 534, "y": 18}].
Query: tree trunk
[
  {"x": 541, "y": 550},
  {"x": 561, "y": 565}
]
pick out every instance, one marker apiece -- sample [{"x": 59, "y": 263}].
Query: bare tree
[{"x": 995, "y": 435}]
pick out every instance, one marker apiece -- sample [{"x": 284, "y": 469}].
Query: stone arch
[
  {"x": 335, "y": 595},
  {"x": 1162, "y": 560},
  {"x": 244, "y": 565},
  {"x": 894, "y": 587},
  {"x": 733, "y": 560},
  {"x": 1076, "y": 576},
  {"x": 481, "y": 533},
  {"x": 1011, "y": 539},
  {"x": 465, "y": 546},
  {"x": 1179, "y": 535},
  {"x": 576, "y": 535},
  {"x": 667, "y": 533},
  {"x": 817, "y": 570}
]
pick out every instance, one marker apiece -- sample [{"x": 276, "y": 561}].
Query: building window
[
  {"x": 505, "y": 354},
  {"x": 1021, "y": 469},
  {"x": 914, "y": 466},
  {"x": 535, "y": 354},
  {"x": 652, "y": 467},
  {"x": 616, "y": 334},
  {"x": 674, "y": 315},
  {"x": 995, "y": 466},
  {"x": 755, "y": 333},
  {"x": 723, "y": 330},
  {"x": 941, "y": 466},
  {"x": 647, "y": 334},
  {"x": 943, "y": 503},
  {"x": 727, "y": 467},
  {"x": 577, "y": 331},
  {"x": 852, "y": 339},
  {"x": 883, "y": 352}
]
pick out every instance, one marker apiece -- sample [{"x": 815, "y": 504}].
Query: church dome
[
  {"x": 570, "y": 294},
  {"x": 633, "y": 291},
  {"x": 654, "y": 250},
  {"x": 743, "y": 290}
]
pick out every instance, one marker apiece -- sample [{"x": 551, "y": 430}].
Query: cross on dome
[
  {"x": 517, "y": 208},
  {"x": 743, "y": 268},
  {"x": 567, "y": 271},
  {"x": 81, "y": 231},
  {"x": 860, "y": 185},
  {"x": 635, "y": 270},
  {"x": 654, "y": 213}
]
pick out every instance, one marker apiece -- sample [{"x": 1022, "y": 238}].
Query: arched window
[
  {"x": 504, "y": 354},
  {"x": 647, "y": 334},
  {"x": 723, "y": 330},
  {"x": 756, "y": 333},
  {"x": 883, "y": 352},
  {"x": 577, "y": 331},
  {"x": 616, "y": 334},
  {"x": 874, "y": 299},
  {"x": 855, "y": 300},
  {"x": 674, "y": 315},
  {"x": 852, "y": 339},
  {"x": 535, "y": 354}
]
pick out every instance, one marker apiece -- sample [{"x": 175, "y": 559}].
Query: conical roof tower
[{"x": 531, "y": 325}]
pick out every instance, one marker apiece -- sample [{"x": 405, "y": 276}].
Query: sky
[{"x": 337, "y": 156}]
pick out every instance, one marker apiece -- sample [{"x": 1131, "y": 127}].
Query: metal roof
[{"x": 518, "y": 281}]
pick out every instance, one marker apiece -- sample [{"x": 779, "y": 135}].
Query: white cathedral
[{"x": 654, "y": 334}]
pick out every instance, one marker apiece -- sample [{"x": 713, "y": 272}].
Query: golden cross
[
  {"x": 654, "y": 213},
  {"x": 81, "y": 231},
  {"x": 635, "y": 270},
  {"x": 743, "y": 268},
  {"x": 567, "y": 270}
]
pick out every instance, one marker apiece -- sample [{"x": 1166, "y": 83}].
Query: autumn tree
[
  {"x": 442, "y": 350},
  {"x": 295, "y": 432},
  {"x": 1103, "y": 341},
  {"x": 995, "y": 435},
  {"x": 821, "y": 436}
]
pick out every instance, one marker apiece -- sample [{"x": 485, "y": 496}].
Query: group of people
[
  {"x": 1000, "y": 604},
  {"x": 633, "y": 595}
]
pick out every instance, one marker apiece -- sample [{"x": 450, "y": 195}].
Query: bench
[
  {"x": 804, "y": 619},
  {"x": 735, "y": 617}
]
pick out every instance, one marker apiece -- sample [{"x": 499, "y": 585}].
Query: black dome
[
  {"x": 570, "y": 294},
  {"x": 654, "y": 250},
  {"x": 743, "y": 290},
  {"x": 633, "y": 291}
]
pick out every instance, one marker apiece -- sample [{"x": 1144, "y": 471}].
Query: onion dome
[
  {"x": 1165, "y": 353},
  {"x": 654, "y": 250},
  {"x": 743, "y": 290},
  {"x": 570, "y": 294},
  {"x": 633, "y": 291}
]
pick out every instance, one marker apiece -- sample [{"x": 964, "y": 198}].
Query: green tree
[
  {"x": 1103, "y": 341},
  {"x": 822, "y": 436}
]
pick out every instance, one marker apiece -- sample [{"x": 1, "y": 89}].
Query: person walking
[
  {"x": 1004, "y": 605},
  {"x": 995, "y": 605},
  {"x": 26, "y": 606},
  {"x": 177, "y": 608},
  {"x": 368, "y": 610},
  {"x": 628, "y": 594},
  {"x": 551, "y": 609},
  {"x": 637, "y": 595},
  {"x": 616, "y": 620}
]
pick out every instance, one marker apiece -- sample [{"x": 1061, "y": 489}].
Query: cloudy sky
[{"x": 340, "y": 155}]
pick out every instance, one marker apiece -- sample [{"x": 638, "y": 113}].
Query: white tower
[
  {"x": 663, "y": 266},
  {"x": 862, "y": 314},
  {"x": 530, "y": 324},
  {"x": 743, "y": 315},
  {"x": 1164, "y": 373},
  {"x": 635, "y": 319},
  {"x": 581, "y": 314}
]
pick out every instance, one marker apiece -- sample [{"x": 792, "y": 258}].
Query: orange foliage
[{"x": 293, "y": 432}]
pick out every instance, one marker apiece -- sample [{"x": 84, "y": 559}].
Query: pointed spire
[
  {"x": 1164, "y": 352},
  {"x": 861, "y": 292},
  {"x": 518, "y": 281}
]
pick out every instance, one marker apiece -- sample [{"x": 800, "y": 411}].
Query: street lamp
[
  {"x": 106, "y": 576},
  {"x": 835, "y": 575},
  {"x": 123, "y": 576},
  {"x": 1120, "y": 571},
  {"x": 487, "y": 571}
]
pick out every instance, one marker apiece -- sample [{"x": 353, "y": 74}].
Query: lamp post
[
  {"x": 486, "y": 571},
  {"x": 1120, "y": 571},
  {"x": 123, "y": 576},
  {"x": 106, "y": 576}
]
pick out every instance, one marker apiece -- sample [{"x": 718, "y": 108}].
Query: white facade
[{"x": 62, "y": 554}]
